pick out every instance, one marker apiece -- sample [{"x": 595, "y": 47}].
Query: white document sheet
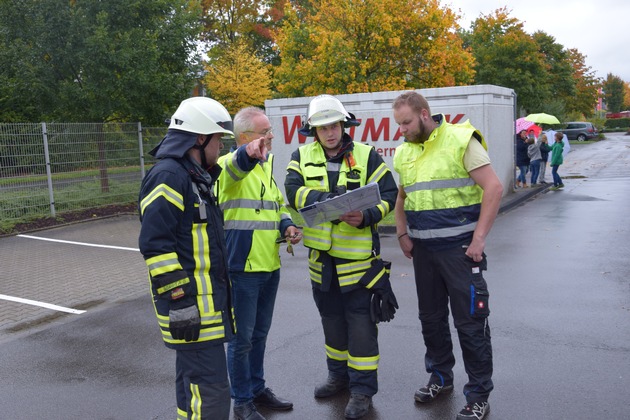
[{"x": 325, "y": 211}]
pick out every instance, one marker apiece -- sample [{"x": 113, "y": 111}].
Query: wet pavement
[{"x": 560, "y": 301}]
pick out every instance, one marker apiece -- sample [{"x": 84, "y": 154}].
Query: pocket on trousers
[
  {"x": 479, "y": 298},
  {"x": 479, "y": 295}
]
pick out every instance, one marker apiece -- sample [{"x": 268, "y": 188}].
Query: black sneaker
[
  {"x": 474, "y": 411},
  {"x": 430, "y": 392}
]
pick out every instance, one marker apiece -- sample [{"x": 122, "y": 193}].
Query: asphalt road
[{"x": 559, "y": 298}]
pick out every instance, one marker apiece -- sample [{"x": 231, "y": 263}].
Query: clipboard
[{"x": 360, "y": 199}]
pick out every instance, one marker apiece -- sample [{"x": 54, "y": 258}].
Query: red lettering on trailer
[
  {"x": 386, "y": 152},
  {"x": 374, "y": 133},
  {"x": 288, "y": 132},
  {"x": 456, "y": 119},
  {"x": 373, "y": 128}
]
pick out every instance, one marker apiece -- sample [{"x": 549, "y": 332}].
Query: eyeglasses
[{"x": 263, "y": 133}]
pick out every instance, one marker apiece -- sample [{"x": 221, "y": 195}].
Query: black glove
[
  {"x": 387, "y": 303},
  {"x": 185, "y": 323},
  {"x": 375, "y": 308},
  {"x": 383, "y": 303}
]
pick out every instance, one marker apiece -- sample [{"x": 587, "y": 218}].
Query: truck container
[{"x": 489, "y": 108}]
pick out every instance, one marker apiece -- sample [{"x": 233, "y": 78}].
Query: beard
[{"x": 419, "y": 136}]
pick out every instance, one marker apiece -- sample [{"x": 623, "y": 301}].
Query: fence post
[
  {"x": 51, "y": 195},
  {"x": 141, "y": 149}
]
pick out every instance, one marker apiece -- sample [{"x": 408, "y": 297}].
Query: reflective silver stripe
[
  {"x": 213, "y": 319},
  {"x": 332, "y": 166},
  {"x": 317, "y": 239},
  {"x": 163, "y": 263},
  {"x": 300, "y": 199},
  {"x": 440, "y": 184},
  {"x": 442, "y": 233},
  {"x": 351, "y": 238},
  {"x": 368, "y": 364},
  {"x": 336, "y": 354},
  {"x": 244, "y": 203},
  {"x": 202, "y": 271},
  {"x": 250, "y": 225},
  {"x": 165, "y": 191},
  {"x": 346, "y": 280},
  {"x": 231, "y": 173},
  {"x": 377, "y": 174},
  {"x": 355, "y": 265},
  {"x": 211, "y": 333},
  {"x": 354, "y": 250}
]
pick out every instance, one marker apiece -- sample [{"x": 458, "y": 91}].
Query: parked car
[{"x": 579, "y": 130}]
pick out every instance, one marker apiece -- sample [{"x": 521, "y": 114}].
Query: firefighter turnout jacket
[
  {"x": 312, "y": 177},
  {"x": 182, "y": 242}
]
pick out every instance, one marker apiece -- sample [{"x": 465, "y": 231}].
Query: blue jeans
[
  {"x": 254, "y": 296},
  {"x": 554, "y": 173},
  {"x": 521, "y": 175},
  {"x": 535, "y": 168}
]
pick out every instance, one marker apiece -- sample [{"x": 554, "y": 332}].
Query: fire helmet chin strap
[{"x": 201, "y": 148}]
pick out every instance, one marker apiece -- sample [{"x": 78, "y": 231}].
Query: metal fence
[{"x": 47, "y": 169}]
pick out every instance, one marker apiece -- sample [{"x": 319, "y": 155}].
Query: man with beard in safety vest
[{"x": 448, "y": 199}]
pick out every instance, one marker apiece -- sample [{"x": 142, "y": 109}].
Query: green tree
[
  {"x": 560, "y": 80},
  {"x": 344, "y": 46},
  {"x": 614, "y": 92},
  {"x": 586, "y": 84},
  {"x": 228, "y": 21},
  {"x": 97, "y": 61},
  {"x": 507, "y": 56}
]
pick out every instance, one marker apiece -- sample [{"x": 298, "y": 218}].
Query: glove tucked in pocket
[{"x": 383, "y": 303}]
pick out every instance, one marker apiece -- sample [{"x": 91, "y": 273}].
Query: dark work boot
[
  {"x": 358, "y": 406},
  {"x": 331, "y": 387}
]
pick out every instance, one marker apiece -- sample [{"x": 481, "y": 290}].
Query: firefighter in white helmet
[
  {"x": 349, "y": 279},
  {"x": 182, "y": 242}
]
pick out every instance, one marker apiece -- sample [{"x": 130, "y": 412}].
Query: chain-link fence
[{"x": 47, "y": 169}]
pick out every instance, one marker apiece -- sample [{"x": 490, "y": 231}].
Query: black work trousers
[
  {"x": 450, "y": 276},
  {"x": 350, "y": 335}
]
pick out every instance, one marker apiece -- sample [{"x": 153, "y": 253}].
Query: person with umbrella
[{"x": 522, "y": 159}]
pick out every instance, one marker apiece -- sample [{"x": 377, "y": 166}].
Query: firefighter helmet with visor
[
  {"x": 202, "y": 115},
  {"x": 325, "y": 110}
]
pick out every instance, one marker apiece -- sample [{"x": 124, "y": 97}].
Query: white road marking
[
  {"x": 79, "y": 243},
  {"x": 49, "y": 305},
  {"x": 43, "y": 304}
]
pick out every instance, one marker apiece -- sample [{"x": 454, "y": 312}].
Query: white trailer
[{"x": 489, "y": 108}]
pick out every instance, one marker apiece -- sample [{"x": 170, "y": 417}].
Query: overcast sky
[{"x": 596, "y": 28}]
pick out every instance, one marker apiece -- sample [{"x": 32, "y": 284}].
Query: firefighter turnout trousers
[{"x": 351, "y": 337}]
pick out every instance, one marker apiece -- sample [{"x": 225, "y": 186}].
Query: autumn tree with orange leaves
[
  {"x": 345, "y": 46},
  {"x": 586, "y": 84},
  {"x": 238, "y": 78}
]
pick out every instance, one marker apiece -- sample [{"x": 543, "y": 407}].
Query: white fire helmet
[
  {"x": 202, "y": 115},
  {"x": 325, "y": 110}
]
